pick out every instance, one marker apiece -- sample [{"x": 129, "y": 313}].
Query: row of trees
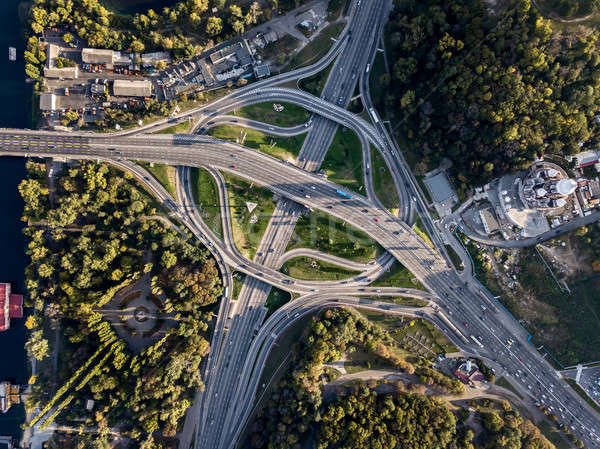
[
  {"x": 86, "y": 244},
  {"x": 490, "y": 92}
]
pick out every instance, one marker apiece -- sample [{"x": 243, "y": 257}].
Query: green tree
[{"x": 214, "y": 26}]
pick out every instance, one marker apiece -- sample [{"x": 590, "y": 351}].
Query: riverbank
[{"x": 16, "y": 112}]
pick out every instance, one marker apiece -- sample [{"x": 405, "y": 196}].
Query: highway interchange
[{"x": 241, "y": 340}]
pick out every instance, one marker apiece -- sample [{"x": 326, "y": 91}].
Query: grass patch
[
  {"x": 206, "y": 198},
  {"x": 419, "y": 230},
  {"x": 317, "y": 48},
  {"x": 414, "y": 335},
  {"x": 320, "y": 231},
  {"x": 286, "y": 148},
  {"x": 359, "y": 360},
  {"x": 247, "y": 235},
  {"x": 292, "y": 115},
  {"x": 165, "y": 174},
  {"x": 410, "y": 302},
  {"x": 580, "y": 391},
  {"x": 398, "y": 276},
  {"x": 276, "y": 299},
  {"x": 383, "y": 183},
  {"x": 238, "y": 280},
  {"x": 343, "y": 163},
  {"x": 504, "y": 383},
  {"x": 314, "y": 84},
  {"x": 309, "y": 269},
  {"x": 428, "y": 335},
  {"x": 180, "y": 128}
]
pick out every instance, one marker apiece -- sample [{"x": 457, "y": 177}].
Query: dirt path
[
  {"x": 489, "y": 391},
  {"x": 552, "y": 15}
]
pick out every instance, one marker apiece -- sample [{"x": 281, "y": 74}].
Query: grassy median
[
  {"x": 398, "y": 276},
  {"x": 292, "y": 115},
  {"x": 323, "y": 232},
  {"x": 286, "y": 148},
  {"x": 206, "y": 198},
  {"x": 276, "y": 299},
  {"x": 309, "y": 269},
  {"x": 248, "y": 227},
  {"x": 343, "y": 163},
  {"x": 383, "y": 183},
  {"x": 165, "y": 174},
  {"x": 317, "y": 48}
]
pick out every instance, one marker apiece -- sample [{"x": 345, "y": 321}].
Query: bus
[
  {"x": 344, "y": 194},
  {"x": 374, "y": 115}
]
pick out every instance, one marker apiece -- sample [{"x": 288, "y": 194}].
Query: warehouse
[{"x": 134, "y": 88}]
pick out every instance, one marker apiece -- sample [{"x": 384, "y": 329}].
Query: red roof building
[
  {"x": 11, "y": 306},
  {"x": 468, "y": 372}
]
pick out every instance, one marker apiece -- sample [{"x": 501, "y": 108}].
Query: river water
[{"x": 15, "y": 111}]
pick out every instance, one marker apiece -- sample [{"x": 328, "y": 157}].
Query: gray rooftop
[{"x": 439, "y": 187}]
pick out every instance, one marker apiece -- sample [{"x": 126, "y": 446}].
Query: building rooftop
[
  {"x": 490, "y": 224},
  {"x": 97, "y": 56},
  {"x": 439, "y": 187},
  {"x": 47, "y": 102},
  {"x": 132, "y": 88},
  {"x": 65, "y": 72},
  {"x": 262, "y": 70},
  {"x": 240, "y": 52}
]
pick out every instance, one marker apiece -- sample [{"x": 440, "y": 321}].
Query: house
[
  {"x": 11, "y": 306},
  {"x": 132, "y": 88}
]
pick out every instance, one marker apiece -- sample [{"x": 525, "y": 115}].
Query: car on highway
[{"x": 376, "y": 220}]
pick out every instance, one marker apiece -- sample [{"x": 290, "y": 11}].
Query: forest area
[
  {"x": 98, "y": 234},
  {"x": 489, "y": 91},
  {"x": 359, "y": 417}
]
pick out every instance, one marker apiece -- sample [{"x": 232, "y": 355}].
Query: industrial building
[
  {"x": 107, "y": 58},
  {"x": 47, "y": 102},
  {"x": 441, "y": 191},
  {"x": 132, "y": 88},
  {"x": 97, "y": 56}
]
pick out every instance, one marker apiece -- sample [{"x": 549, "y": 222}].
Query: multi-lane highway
[{"x": 469, "y": 315}]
